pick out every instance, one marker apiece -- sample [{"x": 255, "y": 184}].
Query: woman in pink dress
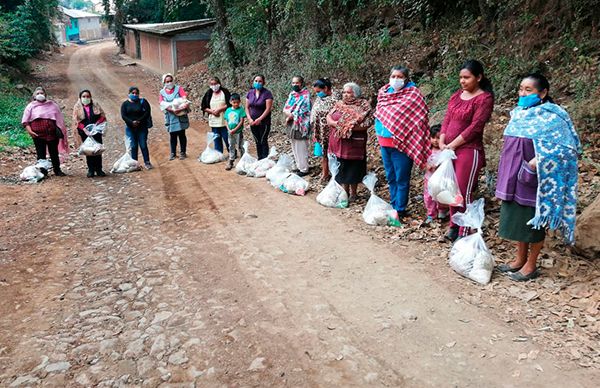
[{"x": 469, "y": 109}]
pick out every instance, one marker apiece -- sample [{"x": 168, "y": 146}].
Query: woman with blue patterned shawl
[{"x": 537, "y": 176}]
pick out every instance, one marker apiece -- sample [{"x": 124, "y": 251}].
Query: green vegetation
[
  {"x": 25, "y": 30},
  {"x": 11, "y": 131}
]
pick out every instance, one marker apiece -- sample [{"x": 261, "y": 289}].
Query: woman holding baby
[{"x": 173, "y": 102}]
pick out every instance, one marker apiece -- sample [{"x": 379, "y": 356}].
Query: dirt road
[{"x": 188, "y": 275}]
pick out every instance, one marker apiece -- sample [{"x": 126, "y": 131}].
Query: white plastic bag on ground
[
  {"x": 93, "y": 129},
  {"x": 469, "y": 255},
  {"x": 442, "y": 185},
  {"x": 259, "y": 168},
  {"x": 125, "y": 164},
  {"x": 333, "y": 195},
  {"x": 210, "y": 155},
  {"x": 294, "y": 184},
  {"x": 90, "y": 147},
  {"x": 283, "y": 165},
  {"x": 377, "y": 211},
  {"x": 246, "y": 161},
  {"x": 32, "y": 174},
  {"x": 45, "y": 164}
]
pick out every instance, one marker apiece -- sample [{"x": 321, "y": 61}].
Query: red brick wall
[
  {"x": 130, "y": 43},
  {"x": 153, "y": 57},
  {"x": 191, "y": 51}
]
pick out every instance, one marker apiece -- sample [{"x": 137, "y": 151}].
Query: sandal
[
  {"x": 506, "y": 268},
  {"x": 519, "y": 277}
]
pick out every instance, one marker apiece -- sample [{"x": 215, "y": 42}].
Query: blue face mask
[
  {"x": 529, "y": 101},
  {"x": 321, "y": 94},
  {"x": 257, "y": 85},
  {"x": 133, "y": 97}
]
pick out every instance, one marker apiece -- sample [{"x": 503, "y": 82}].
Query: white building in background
[{"x": 82, "y": 25}]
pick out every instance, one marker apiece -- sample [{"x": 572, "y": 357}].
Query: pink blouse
[{"x": 467, "y": 118}]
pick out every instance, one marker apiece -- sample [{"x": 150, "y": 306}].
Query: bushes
[{"x": 11, "y": 111}]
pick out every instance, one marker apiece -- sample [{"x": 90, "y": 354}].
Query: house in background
[
  {"x": 168, "y": 47},
  {"x": 81, "y": 25}
]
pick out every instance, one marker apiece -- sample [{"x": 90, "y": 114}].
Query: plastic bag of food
[
  {"x": 294, "y": 184},
  {"x": 259, "y": 168},
  {"x": 469, "y": 255},
  {"x": 333, "y": 195},
  {"x": 94, "y": 129},
  {"x": 284, "y": 164},
  {"x": 377, "y": 211},
  {"x": 33, "y": 174},
  {"x": 90, "y": 147},
  {"x": 125, "y": 164},
  {"x": 44, "y": 164},
  {"x": 246, "y": 161},
  {"x": 210, "y": 155},
  {"x": 442, "y": 185}
]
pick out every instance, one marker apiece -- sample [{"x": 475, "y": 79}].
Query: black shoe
[
  {"x": 452, "y": 234},
  {"x": 302, "y": 173},
  {"x": 182, "y": 156},
  {"x": 60, "y": 173},
  {"x": 519, "y": 277},
  {"x": 172, "y": 157},
  {"x": 90, "y": 174},
  {"x": 100, "y": 173},
  {"x": 504, "y": 268}
]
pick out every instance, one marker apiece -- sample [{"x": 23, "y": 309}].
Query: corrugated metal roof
[
  {"x": 171, "y": 28},
  {"x": 77, "y": 14}
]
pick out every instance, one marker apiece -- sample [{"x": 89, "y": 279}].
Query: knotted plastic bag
[
  {"x": 126, "y": 163},
  {"x": 333, "y": 195},
  {"x": 246, "y": 161},
  {"x": 469, "y": 255},
  {"x": 90, "y": 147},
  {"x": 377, "y": 211},
  {"x": 260, "y": 167},
  {"x": 443, "y": 185},
  {"x": 94, "y": 129},
  {"x": 33, "y": 174},
  {"x": 294, "y": 184},
  {"x": 210, "y": 155},
  {"x": 283, "y": 165}
]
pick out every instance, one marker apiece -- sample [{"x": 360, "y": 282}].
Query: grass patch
[{"x": 12, "y": 134}]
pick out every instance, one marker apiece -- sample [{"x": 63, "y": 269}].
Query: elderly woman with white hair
[
  {"x": 349, "y": 121},
  {"x": 173, "y": 102},
  {"x": 45, "y": 123}
]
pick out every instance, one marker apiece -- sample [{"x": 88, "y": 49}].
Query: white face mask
[
  {"x": 86, "y": 101},
  {"x": 397, "y": 83},
  {"x": 40, "y": 97},
  {"x": 169, "y": 85},
  {"x": 215, "y": 88}
]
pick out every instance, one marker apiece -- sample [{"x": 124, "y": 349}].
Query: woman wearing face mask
[
  {"x": 469, "y": 109},
  {"x": 259, "y": 103},
  {"x": 402, "y": 128},
  {"x": 176, "y": 119},
  {"x": 86, "y": 112},
  {"x": 136, "y": 113},
  {"x": 349, "y": 120},
  {"x": 215, "y": 102},
  {"x": 537, "y": 176},
  {"x": 297, "y": 114},
  {"x": 45, "y": 123},
  {"x": 325, "y": 100}
]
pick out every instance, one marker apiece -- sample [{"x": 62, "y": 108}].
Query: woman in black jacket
[
  {"x": 215, "y": 102},
  {"x": 136, "y": 113}
]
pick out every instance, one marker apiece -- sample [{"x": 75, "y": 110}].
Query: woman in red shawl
[
  {"x": 45, "y": 123},
  {"x": 349, "y": 120}
]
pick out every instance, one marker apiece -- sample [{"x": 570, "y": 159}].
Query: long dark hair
[
  {"x": 541, "y": 83},
  {"x": 476, "y": 68}
]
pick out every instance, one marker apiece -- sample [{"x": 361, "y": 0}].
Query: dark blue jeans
[
  {"x": 138, "y": 138},
  {"x": 223, "y": 138},
  {"x": 398, "y": 167}
]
